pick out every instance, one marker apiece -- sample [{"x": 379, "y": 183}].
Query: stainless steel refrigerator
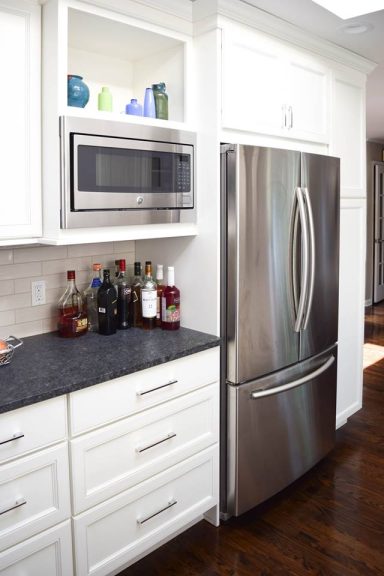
[{"x": 280, "y": 262}]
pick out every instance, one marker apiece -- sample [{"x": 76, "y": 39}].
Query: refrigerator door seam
[{"x": 269, "y": 392}]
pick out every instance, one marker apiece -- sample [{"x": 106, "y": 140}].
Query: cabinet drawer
[
  {"x": 117, "y": 531},
  {"x": 32, "y": 427},
  {"x": 109, "y": 401},
  {"x": 49, "y": 553},
  {"x": 34, "y": 494},
  {"x": 112, "y": 459}
]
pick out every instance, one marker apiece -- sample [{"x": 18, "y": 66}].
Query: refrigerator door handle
[
  {"x": 271, "y": 391},
  {"x": 312, "y": 256},
  {"x": 305, "y": 256}
]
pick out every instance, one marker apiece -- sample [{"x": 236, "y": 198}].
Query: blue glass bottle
[
  {"x": 134, "y": 108},
  {"x": 149, "y": 104},
  {"x": 78, "y": 91}
]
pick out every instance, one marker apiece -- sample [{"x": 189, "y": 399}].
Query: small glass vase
[{"x": 78, "y": 91}]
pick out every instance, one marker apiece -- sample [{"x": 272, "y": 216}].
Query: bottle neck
[{"x": 171, "y": 277}]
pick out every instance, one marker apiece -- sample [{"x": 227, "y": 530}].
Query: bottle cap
[
  {"x": 96, "y": 267},
  {"x": 160, "y": 273},
  {"x": 71, "y": 275},
  {"x": 137, "y": 268},
  {"x": 171, "y": 276},
  {"x": 122, "y": 265}
]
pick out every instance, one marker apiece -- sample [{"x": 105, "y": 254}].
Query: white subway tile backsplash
[
  {"x": 40, "y": 254},
  {"x": 13, "y": 271},
  {"x": 20, "y": 266},
  {"x": 15, "y": 301},
  {"x": 7, "y": 287},
  {"x": 6, "y": 257}
]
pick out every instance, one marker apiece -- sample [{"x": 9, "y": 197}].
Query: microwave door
[{"x": 126, "y": 174}]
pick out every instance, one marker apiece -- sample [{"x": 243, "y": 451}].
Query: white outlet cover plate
[{"x": 38, "y": 292}]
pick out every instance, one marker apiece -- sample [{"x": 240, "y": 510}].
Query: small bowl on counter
[{"x": 7, "y": 348}]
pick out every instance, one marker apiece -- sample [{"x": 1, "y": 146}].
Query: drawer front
[
  {"x": 116, "y": 532},
  {"x": 49, "y": 553},
  {"x": 124, "y": 396},
  {"x": 34, "y": 494},
  {"x": 112, "y": 459},
  {"x": 32, "y": 427}
]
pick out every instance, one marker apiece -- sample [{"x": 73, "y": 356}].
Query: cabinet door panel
[{"x": 20, "y": 214}]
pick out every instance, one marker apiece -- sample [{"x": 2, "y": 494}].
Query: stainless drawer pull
[
  {"x": 170, "y": 504},
  {"x": 168, "y": 437},
  {"x": 18, "y": 502},
  {"x": 16, "y": 436},
  {"x": 140, "y": 393}
]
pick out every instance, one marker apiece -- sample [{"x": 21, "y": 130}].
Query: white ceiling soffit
[{"x": 351, "y": 8}]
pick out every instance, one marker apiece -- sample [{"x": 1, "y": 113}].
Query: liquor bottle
[
  {"x": 107, "y": 306},
  {"x": 136, "y": 285},
  {"x": 149, "y": 299},
  {"x": 90, "y": 298},
  {"x": 160, "y": 288},
  {"x": 72, "y": 316},
  {"x": 170, "y": 303},
  {"x": 124, "y": 292}
]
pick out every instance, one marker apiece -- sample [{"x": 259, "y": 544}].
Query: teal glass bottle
[{"x": 161, "y": 100}]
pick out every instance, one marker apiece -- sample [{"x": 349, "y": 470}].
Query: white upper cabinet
[
  {"x": 20, "y": 214},
  {"x": 270, "y": 88}
]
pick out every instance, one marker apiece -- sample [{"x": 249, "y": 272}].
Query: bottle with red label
[
  {"x": 170, "y": 303},
  {"x": 72, "y": 316}
]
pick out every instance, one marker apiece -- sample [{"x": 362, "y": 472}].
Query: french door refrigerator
[{"x": 280, "y": 262}]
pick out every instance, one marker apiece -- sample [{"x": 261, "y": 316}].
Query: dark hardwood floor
[{"x": 329, "y": 523}]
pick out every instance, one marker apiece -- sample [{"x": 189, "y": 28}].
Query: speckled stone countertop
[{"x": 48, "y": 365}]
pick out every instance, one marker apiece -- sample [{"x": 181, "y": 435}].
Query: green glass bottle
[{"x": 161, "y": 100}]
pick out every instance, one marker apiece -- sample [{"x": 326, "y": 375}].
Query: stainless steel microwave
[{"x": 114, "y": 173}]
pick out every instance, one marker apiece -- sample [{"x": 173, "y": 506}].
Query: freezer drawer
[{"x": 277, "y": 432}]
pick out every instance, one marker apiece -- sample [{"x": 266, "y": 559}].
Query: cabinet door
[
  {"x": 252, "y": 82},
  {"x": 20, "y": 214},
  {"x": 307, "y": 98},
  {"x": 351, "y": 309},
  {"x": 348, "y": 139}
]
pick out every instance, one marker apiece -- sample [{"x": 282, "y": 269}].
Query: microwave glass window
[{"x": 107, "y": 169}]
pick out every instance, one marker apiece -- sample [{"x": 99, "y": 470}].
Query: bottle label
[
  {"x": 170, "y": 313},
  {"x": 149, "y": 303},
  {"x": 80, "y": 324},
  {"x": 102, "y": 310}
]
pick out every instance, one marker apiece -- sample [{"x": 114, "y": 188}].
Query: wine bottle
[
  {"x": 124, "y": 291},
  {"x": 136, "y": 285},
  {"x": 160, "y": 288},
  {"x": 107, "y": 306},
  {"x": 149, "y": 298},
  {"x": 90, "y": 298},
  {"x": 170, "y": 303},
  {"x": 72, "y": 316}
]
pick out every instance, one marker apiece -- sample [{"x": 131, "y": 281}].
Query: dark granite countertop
[{"x": 48, "y": 365}]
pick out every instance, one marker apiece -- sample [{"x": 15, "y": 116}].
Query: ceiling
[{"x": 319, "y": 21}]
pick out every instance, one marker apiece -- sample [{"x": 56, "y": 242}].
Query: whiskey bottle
[
  {"x": 136, "y": 285},
  {"x": 170, "y": 303},
  {"x": 124, "y": 291},
  {"x": 72, "y": 317},
  {"x": 149, "y": 299},
  {"x": 107, "y": 306}
]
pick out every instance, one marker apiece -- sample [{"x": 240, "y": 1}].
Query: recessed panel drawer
[
  {"x": 112, "y": 459},
  {"x": 113, "y": 400},
  {"x": 116, "y": 532},
  {"x": 47, "y": 554},
  {"x": 34, "y": 494},
  {"x": 32, "y": 427}
]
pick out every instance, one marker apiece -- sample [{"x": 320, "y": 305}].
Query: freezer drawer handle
[
  {"x": 168, "y": 437},
  {"x": 15, "y": 436},
  {"x": 142, "y": 393},
  {"x": 171, "y": 503},
  {"x": 269, "y": 392},
  {"x": 18, "y": 502}
]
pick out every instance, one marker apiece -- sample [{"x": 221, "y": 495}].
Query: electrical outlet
[{"x": 38, "y": 292}]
